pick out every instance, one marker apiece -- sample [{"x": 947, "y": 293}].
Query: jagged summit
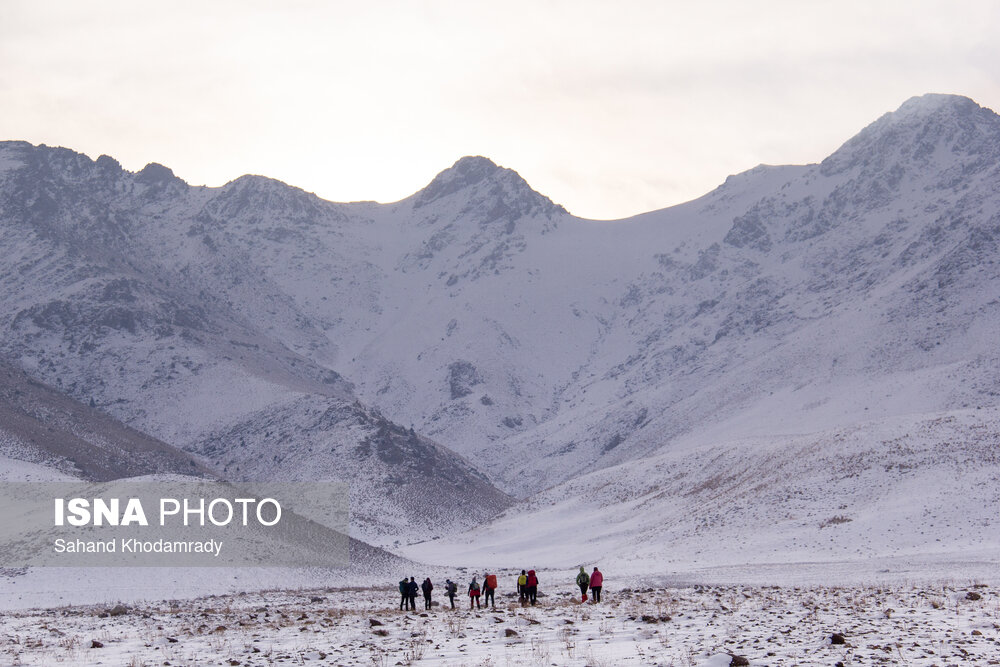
[
  {"x": 466, "y": 172},
  {"x": 156, "y": 173},
  {"x": 919, "y": 129},
  {"x": 485, "y": 179}
]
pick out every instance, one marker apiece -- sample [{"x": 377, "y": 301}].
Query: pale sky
[{"x": 609, "y": 108}]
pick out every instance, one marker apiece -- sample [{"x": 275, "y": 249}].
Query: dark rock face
[
  {"x": 462, "y": 377},
  {"x": 748, "y": 231}
]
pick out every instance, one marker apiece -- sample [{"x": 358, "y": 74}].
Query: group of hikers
[{"x": 527, "y": 589}]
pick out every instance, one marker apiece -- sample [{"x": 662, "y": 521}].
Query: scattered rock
[
  {"x": 118, "y": 610},
  {"x": 317, "y": 598},
  {"x": 382, "y": 633},
  {"x": 972, "y": 595},
  {"x": 738, "y": 661},
  {"x": 172, "y": 640},
  {"x": 976, "y": 633},
  {"x": 837, "y": 638},
  {"x": 510, "y": 632},
  {"x": 234, "y": 662},
  {"x": 372, "y": 622},
  {"x": 649, "y": 619},
  {"x": 96, "y": 644}
]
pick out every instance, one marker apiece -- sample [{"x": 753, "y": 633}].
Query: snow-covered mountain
[
  {"x": 110, "y": 297},
  {"x": 275, "y": 333}
]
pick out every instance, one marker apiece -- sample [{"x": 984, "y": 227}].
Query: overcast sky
[{"x": 609, "y": 108}]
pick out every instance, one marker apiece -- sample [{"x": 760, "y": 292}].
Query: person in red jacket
[
  {"x": 532, "y": 586},
  {"x": 596, "y": 582}
]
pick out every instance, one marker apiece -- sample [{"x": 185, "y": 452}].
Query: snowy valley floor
[{"x": 684, "y": 626}]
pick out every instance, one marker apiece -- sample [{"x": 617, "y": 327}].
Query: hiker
[
  {"x": 404, "y": 593},
  {"x": 596, "y": 581},
  {"x": 427, "y": 587},
  {"x": 450, "y": 587},
  {"x": 474, "y": 593},
  {"x": 412, "y": 589},
  {"x": 522, "y": 587},
  {"x": 490, "y": 587},
  {"x": 532, "y": 587},
  {"x": 583, "y": 581}
]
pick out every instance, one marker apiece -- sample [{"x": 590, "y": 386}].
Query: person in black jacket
[
  {"x": 414, "y": 587},
  {"x": 404, "y": 594},
  {"x": 427, "y": 587}
]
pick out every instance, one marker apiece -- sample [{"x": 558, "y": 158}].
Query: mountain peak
[
  {"x": 932, "y": 103},
  {"x": 484, "y": 179},
  {"x": 466, "y": 172},
  {"x": 155, "y": 173},
  {"x": 916, "y": 131},
  {"x": 472, "y": 164}
]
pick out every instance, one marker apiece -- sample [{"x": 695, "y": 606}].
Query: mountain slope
[
  {"x": 41, "y": 425},
  {"x": 111, "y": 298},
  {"x": 900, "y": 492}
]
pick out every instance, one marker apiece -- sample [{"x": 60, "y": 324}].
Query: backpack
[
  {"x": 522, "y": 580},
  {"x": 404, "y": 586},
  {"x": 491, "y": 582},
  {"x": 452, "y": 588},
  {"x": 474, "y": 586}
]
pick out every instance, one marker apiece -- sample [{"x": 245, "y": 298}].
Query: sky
[{"x": 609, "y": 108}]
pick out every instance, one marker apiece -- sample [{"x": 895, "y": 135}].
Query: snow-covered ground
[{"x": 955, "y": 622}]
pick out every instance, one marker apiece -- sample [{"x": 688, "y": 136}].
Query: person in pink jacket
[{"x": 596, "y": 581}]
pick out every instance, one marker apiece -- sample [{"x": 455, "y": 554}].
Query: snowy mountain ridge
[{"x": 540, "y": 347}]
